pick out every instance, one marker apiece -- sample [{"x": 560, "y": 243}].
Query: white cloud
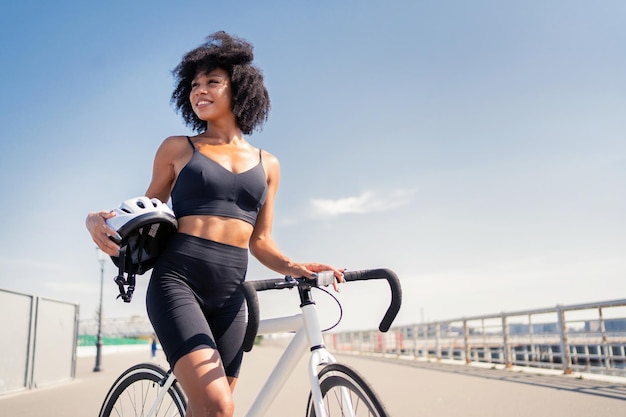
[{"x": 368, "y": 202}]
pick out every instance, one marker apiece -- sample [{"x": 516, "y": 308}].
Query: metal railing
[
  {"x": 38, "y": 343},
  {"x": 584, "y": 337},
  {"x": 135, "y": 326}
]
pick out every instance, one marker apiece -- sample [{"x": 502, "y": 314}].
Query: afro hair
[{"x": 250, "y": 99}]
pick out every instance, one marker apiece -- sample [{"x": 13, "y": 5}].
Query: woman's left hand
[{"x": 307, "y": 270}]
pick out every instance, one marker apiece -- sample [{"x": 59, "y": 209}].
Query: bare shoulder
[
  {"x": 174, "y": 147},
  {"x": 175, "y": 142},
  {"x": 271, "y": 167},
  {"x": 269, "y": 160}
]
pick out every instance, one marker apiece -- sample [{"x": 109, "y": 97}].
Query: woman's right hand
[{"x": 100, "y": 231}]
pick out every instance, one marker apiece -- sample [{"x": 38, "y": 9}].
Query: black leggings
[{"x": 195, "y": 299}]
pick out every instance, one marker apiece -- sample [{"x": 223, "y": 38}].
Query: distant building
[{"x": 610, "y": 325}]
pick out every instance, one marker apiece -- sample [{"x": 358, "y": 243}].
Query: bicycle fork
[{"x": 165, "y": 384}]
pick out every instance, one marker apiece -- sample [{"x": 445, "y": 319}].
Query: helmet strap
[
  {"x": 125, "y": 294},
  {"x": 143, "y": 236}
]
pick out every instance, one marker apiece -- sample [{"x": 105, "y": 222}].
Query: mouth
[{"x": 201, "y": 103}]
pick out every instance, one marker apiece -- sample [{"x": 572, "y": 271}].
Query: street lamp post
[{"x": 101, "y": 259}]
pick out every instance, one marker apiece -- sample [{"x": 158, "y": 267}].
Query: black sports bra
[{"x": 204, "y": 187}]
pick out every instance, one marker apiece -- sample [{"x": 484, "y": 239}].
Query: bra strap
[{"x": 191, "y": 143}]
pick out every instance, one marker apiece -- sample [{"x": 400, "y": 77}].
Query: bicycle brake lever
[{"x": 289, "y": 282}]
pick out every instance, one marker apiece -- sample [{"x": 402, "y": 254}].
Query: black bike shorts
[{"x": 195, "y": 299}]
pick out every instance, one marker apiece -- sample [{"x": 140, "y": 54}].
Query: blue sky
[{"x": 476, "y": 148}]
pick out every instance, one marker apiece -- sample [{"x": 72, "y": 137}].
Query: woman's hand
[
  {"x": 308, "y": 270},
  {"x": 100, "y": 231}
]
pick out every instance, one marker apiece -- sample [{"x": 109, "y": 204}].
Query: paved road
[{"x": 408, "y": 389}]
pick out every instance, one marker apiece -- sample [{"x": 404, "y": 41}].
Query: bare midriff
[{"x": 225, "y": 230}]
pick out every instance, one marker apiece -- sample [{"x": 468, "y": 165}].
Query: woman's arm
[
  {"x": 164, "y": 169},
  {"x": 163, "y": 176},
  {"x": 262, "y": 244}
]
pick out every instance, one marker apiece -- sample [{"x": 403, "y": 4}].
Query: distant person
[
  {"x": 222, "y": 190},
  {"x": 153, "y": 346}
]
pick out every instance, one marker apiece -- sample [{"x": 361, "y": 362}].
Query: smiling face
[{"x": 211, "y": 95}]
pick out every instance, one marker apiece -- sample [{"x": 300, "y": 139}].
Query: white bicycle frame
[{"x": 307, "y": 328}]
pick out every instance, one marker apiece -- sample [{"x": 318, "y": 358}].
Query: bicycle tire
[
  {"x": 135, "y": 391},
  {"x": 335, "y": 376}
]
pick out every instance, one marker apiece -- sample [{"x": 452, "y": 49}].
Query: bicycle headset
[{"x": 144, "y": 226}]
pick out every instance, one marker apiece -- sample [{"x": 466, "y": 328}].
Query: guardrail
[{"x": 584, "y": 337}]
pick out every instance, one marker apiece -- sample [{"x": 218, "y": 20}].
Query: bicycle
[{"x": 147, "y": 390}]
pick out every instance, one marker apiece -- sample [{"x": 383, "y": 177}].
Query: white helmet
[{"x": 145, "y": 225}]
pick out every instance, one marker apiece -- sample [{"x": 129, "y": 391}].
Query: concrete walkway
[{"x": 407, "y": 388}]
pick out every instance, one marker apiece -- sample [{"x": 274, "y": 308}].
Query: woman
[{"x": 222, "y": 191}]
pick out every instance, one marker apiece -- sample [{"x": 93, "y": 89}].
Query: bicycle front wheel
[
  {"x": 346, "y": 393},
  {"x": 136, "y": 393}
]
